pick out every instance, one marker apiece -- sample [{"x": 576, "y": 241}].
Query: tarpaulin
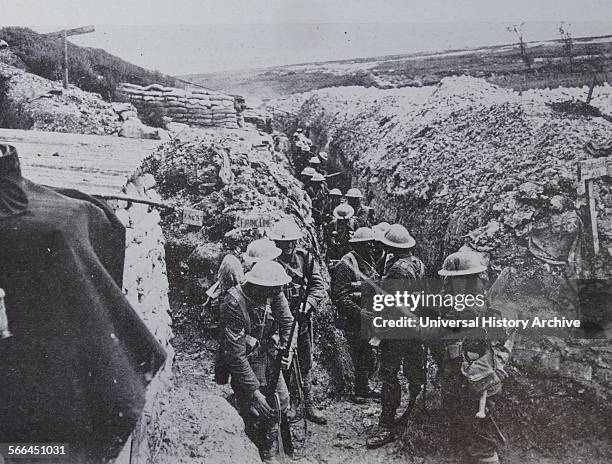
[{"x": 77, "y": 365}]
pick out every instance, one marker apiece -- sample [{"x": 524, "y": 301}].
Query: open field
[{"x": 500, "y": 65}]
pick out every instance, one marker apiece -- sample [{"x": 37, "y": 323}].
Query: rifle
[{"x": 287, "y": 350}]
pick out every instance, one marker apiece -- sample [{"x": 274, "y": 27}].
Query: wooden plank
[
  {"x": 592, "y": 168},
  {"x": 193, "y": 217},
  {"x": 253, "y": 221},
  {"x": 92, "y": 163}
]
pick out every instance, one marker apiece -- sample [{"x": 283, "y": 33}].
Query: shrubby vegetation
[{"x": 91, "y": 69}]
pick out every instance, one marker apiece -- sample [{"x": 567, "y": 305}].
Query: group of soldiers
[{"x": 266, "y": 316}]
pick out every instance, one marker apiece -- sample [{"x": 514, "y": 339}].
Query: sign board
[
  {"x": 593, "y": 168},
  {"x": 253, "y": 221},
  {"x": 71, "y": 32},
  {"x": 588, "y": 170},
  {"x": 193, "y": 217}
]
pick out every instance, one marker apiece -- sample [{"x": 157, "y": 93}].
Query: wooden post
[
  {"x": 590, "y": 95},
  {"x": 588, "y": 171},
  {"x": 65, "y": 37},
  {"x": 64, "y": 34},
  {"x": 592, "y": 215}
]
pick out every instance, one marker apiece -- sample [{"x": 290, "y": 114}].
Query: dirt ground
[{"x": 546, "y": 421}]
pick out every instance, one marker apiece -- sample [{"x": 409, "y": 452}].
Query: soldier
[
  {"x": 318, "y": 192},
  {"x": 353, "y": 271},
  {"x": 474, "y": 364},
  {"x": 301, "y": 150},
  {"x": 263, "y": 249},
  {"x": 334, "y": 198},
  {"x": 338, "y": 232},
  {"x": 250, "y": 337},
  {"x": 296, "y": 260},
  {"x": 306, "y": 175},
  {"x": 409, "y": 354},
  {"x": 474, "y": 367},
  {"x": 379, "y": 250},
  {"x": 362, "y": 213},
  {"x": 323, "y": 166},
  {"x": 314, "y": 162},
  {"x": 229, "y": 275}
]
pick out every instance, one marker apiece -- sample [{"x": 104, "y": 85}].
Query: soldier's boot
[
  {"x": 269, "y": 447},
  {"x": 312, "y": 414},
  {"x": 383, "y": 434}
]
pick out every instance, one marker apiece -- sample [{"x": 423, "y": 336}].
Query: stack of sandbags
[{"x": 196, "y": 107}]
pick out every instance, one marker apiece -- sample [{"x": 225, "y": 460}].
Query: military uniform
[
  {"x": 408, "y": 354},
  {"x": 251, "y": 333},
  {"x": 318, "y": 196},
  {"x": 349, "y": 275},
  {"x": 362, "y": 217},
  {"x": 472, "y": 365},
  {"x": 337, "y": 235},
  {"x": 469, "y": 366},
  {"x": 296, "y": 266}
]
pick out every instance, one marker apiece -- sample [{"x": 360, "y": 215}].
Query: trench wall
[{"x": 145, "y": 284}]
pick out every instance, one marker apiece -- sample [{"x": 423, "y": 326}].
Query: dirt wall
[{"x": 466, "y": 162}]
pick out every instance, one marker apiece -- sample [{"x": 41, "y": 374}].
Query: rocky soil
[
  {"x": 469, "y": 162},
  {"x": 28, "y": 101}
]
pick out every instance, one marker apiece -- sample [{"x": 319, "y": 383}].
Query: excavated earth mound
[
  {"x": 469, "y": 163},
  {"x": 230, "y": 176},
  {"x": 28, "y": 101}
]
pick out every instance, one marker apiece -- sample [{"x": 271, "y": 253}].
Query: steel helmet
[
  {"x": 363, "y": 234},
  {"x": 268, "y": 274},
  {"x": 397, "y": 236},
  {"x": 463, "y": 263},
  {"x": 354, "y": 193},
  {"x": 314, "y": 160},
  {"x": 299, "y": 130},
  {"x": 308, "y": 172},
  {"x": 380, "y": 229},
  {"x": 261, "y": 250},
  {"x": 343, "y": 211},
  {"x": 323, "y": 155},
  {"x": 335, "y": 192},
  {"x": 317, "y": 178},
  {"x": 286, "y": 230}
]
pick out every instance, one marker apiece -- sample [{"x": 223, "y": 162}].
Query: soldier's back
[{"x": 405, "y": 267}]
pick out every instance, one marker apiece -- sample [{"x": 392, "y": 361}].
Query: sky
[
  {"x": 200, "y": 36},
  {"x": 174, "y": 12}
]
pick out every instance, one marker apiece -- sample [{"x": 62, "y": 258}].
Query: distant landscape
[
  {"x": 542, "y": 64},
  {"x": 551, "y": 64}
]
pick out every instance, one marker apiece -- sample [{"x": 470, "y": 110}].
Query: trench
[
  {"x": 193, "y": 257},
  {"x": 534, "y": 395}
]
